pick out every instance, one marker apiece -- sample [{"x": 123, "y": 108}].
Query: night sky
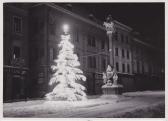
[{"x": 146, "y": 18}]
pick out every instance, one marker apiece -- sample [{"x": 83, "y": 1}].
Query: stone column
[{"x": 110, "y": 28}]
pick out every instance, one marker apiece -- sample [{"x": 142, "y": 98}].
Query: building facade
[{"x": 31, "y": 36}]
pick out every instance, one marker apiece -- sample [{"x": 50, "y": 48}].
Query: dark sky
[{"x": 146, "y": 18}]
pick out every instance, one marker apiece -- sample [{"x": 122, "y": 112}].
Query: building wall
[
  {"x": 146, "y": 68},
  {"x": 15, "y": 47},
  {"x": 39, "y": 39}
]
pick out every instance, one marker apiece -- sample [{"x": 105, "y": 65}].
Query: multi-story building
[
  {"x": 16, "y": 51},
  {"x": 148, "y": 65},
  {"x": 31, "y": 36}
]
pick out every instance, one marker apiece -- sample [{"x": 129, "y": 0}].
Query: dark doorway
[
  {"x": 91, "y": 84},
  {"x": 16, "y": 90}
]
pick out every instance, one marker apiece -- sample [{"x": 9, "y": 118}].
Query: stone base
[{"x": 113, "y": 89}]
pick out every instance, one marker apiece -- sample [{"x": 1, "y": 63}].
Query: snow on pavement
[{"x": 102, "y": 106}]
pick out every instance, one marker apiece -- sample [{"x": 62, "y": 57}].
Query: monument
[
  {"x": 110, "y": 80},
  {"x": 110, "y": 77}
]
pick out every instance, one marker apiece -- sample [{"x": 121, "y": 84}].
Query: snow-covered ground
[{"x": 132, "y": 104}]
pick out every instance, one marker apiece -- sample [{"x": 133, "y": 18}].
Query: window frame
[
  {"x": 21, "y": 24},
  {"x": 14, "y": 54},
  {"x": 117, "y": 66},
  {"x": 123, "y": 53},
  {"x": 116, "y": 51},
  {"x": 123, "y": 68},
  {"x": 128, "y": 68}
]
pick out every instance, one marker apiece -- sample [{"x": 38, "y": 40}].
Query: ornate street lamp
[{"x": 65, "y": 28}]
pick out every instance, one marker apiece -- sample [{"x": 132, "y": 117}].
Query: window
[
  {"x": 91, "y": 41},
  {"x": 51, "y": 54},
  {"x": 143, "y": 68},
  {"x": 52, "y": 29},
  {"x": 123, "y": 67},
  {"x": 116, "y": 36},
  {"x": 16, "y": 52},
  {"x": 116, "y": 51},
  {"x": 77, "y": 35},
  {"x": 123, "y": 55},
  {"x": 91, "y": 62},
  {"x": 41, "y": 52},
  {"x": 17, "y": 24},
  {"x": 117, "y": 66},
  {"x": 102, "y": 44},
  {"x": 103, "y": 64},
  {"x": 127, "y": 41},
  {"x": 128, "y": 68},
  {"x": 94, "y": 62},
  {"x": 122, "y": 38},
  {"x": 138, "y": 67},
  {"x": 127, "y": 54},
  {"x": 35, "y": 53}
]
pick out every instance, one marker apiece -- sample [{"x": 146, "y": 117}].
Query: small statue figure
[
  {"x": 115, "y": 78},
  {"x": 110, "y": 77},
  {"x": 109, "y": 25},
  {"x": 104, "y": 78}
]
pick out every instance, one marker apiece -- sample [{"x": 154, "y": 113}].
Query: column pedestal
[{"x": 112, "y": 89}]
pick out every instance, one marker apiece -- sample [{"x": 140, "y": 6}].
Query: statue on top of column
[{"x": 109, "y": 25}]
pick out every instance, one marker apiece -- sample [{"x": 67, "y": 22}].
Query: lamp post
[
  {"x": 65, "y": 28},
  {"x": 110, "y": 28}
]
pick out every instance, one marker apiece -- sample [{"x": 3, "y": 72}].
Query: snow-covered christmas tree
[{"x": 66, "y": 73}]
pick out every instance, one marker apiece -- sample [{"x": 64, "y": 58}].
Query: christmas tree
[{"x": 66, "y": 74}]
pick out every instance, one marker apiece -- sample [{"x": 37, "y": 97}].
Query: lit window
[{"x": 16, "y": 52}]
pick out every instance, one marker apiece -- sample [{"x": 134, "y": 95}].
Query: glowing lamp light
[{"x": 65, "y": 28}]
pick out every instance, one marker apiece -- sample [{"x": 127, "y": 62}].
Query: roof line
[
  {"x": 146, "y": 44},
  {"x": 119, "y": 23},
  {"x": 127, "y": 28},
  {"x": 90, "y": 22},
  {"x": 74, "y": 15}
]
